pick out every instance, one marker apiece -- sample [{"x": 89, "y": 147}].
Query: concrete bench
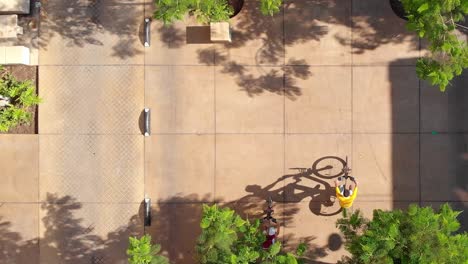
[
  {"x": 14, "y": 55},
  {"x": 220, "y": 32},
  {"x": 14, "y": 6},
  {"x": 9, "y": 26}
]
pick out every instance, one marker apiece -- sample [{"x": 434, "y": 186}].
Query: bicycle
[
  {"x": 333, "y": 168},
  {"x": 345, "y": 171},
  {"x": 269, "y": 211},
  {"x": 271, "y": 231}
]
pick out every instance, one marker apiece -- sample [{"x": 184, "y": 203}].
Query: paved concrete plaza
[{"x": 231, "y": 123}]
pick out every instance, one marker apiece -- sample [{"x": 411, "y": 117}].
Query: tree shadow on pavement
[
  {"x": 81, "y": 23},
  {"x": 301, "y": 21},
  {"x": 66, "y": 238},
  {"x": 280, "y": 80},
  {"x": 13, "y": 249}
]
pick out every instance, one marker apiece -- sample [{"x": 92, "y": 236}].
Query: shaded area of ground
[
  {"x": 82, "y": 24},
  {"x": 442, "y": 143},
  {"x": 66, "y": 238}
]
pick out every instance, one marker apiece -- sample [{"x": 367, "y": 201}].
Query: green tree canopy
[
  {"x": 141, "y": 251},
  {"x": 226, "y": 238},
  {"x": 418, "y": 235},
  {"x": 21, "y": 97},
  {"x": 435, "y": 20},
  {"x": 205, "y": 11}
]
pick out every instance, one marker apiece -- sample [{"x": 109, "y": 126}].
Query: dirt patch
[{"x": 22, "y": 73}]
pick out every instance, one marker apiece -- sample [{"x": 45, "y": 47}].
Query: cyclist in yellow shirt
[{"x": 346, "y": 195}]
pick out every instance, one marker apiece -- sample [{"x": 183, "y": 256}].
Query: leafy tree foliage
[
  {"x": 436, "y": 21},
  {"x": 141, "y": 251},
  {"x": 169, "y": 11},
  {"x": 212, "y": 10},
  {"x": 416, "y": 236},
  {"x": 226, "y": 238},
  {"x": 270, "y": 7},
  {"x": 21, "y": 96},
  {"x": 205, "y": 11}
]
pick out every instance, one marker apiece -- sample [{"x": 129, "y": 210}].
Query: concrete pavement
[{"x": 232, "y": 123}]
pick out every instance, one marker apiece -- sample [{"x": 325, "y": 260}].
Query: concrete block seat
[
  {"x": 15, "y": 55},
  {"x": 14, "y": 6},
  {"x": 9, "y": 26},
  {"x": 220, "y": 32}
]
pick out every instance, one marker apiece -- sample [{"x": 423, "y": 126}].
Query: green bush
[
  {"x": 141, "y": 251},
  {"x": 22, "y": 98},
  {"x": 226, "y": 238},
  {"x": 270, "y": 7},
  {"x": 416, "y": 236},
  {"x": 169, "y": 11},
  {"x": 205, "y": 11},
  {"x": 435, "y": 21}
]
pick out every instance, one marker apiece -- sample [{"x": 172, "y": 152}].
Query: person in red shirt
[{"x": 271, "y": 230}]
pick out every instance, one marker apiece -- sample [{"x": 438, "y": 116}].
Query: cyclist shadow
[{"x": 307, "y": 183}]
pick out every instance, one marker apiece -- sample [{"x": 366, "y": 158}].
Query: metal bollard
[
  {"x": 147, "y": 211},
  {"x": 147, "y": 122},
  {"x": 147, "y": 32}
]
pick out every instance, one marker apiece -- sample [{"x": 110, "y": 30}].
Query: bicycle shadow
[{"x": 307, "y": 183}]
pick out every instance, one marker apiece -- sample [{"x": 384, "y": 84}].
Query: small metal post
[
  {"x": 147, "y": 122},
  {"x": 147, "y": 211},
  {"x": 147, "y": 32}
]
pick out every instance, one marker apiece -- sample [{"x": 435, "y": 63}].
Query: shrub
[
  {"x": 141, "y": 251},
  {"x": 270, "y": 7},
  {"x": 205, "y": 11},
  {"x": 416, "y": 236},
  {"x": 226, "y": 238},
  {"x": 436, "y": 21},
  {"x": 22, "y": 98},
  {"x": 169, "y": 11}
]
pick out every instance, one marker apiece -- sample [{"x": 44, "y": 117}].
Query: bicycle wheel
[{"x": 328, "y": 167}]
